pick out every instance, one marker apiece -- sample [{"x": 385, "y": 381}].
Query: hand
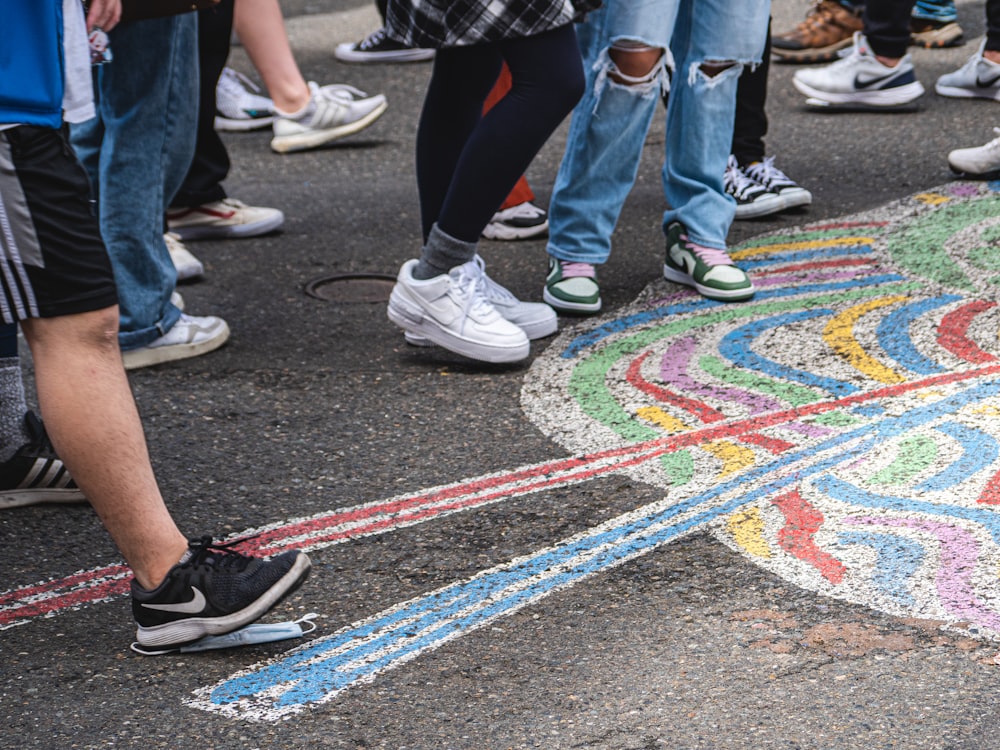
[{"x": 104, "y": 13}]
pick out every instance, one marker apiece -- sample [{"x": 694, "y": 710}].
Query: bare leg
[
  {"x": 90, "y": 414},
  {"x": 261, "y": 29}
]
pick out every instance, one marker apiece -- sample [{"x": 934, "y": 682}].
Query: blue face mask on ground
[{"x": 247, "y": 636}]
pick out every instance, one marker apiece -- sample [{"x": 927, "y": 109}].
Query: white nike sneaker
[
  {"x": 453, "y": 311},
  {"x": 979, "y": 78},
  {"x": 859, "y": 78},
  {"x": 536, "y": 319},
  {"x": 980, "y": 162}
]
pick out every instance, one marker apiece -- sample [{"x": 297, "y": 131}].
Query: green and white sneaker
[
  {"x": 572, "y": 287},
  {"x": 707, "y": 269}
]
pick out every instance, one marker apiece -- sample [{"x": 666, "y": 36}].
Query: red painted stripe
[
  {"x": 991, "y": 493},
  {"x": 845, "y": 225},
  {"x": 705, "y": 413},
  {"x": 802, "y": 521},
  {"x": 90, "y": 586},
  {"x": 814, "y": 265},
  {"x": 953, "y": 332},
  {"x": 772, "y": 445}
]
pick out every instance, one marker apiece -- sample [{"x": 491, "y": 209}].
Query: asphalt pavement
[{"x": 493, "y": 568}]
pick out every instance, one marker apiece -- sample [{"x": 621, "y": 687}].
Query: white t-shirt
[{"x": 78, "y": 92}]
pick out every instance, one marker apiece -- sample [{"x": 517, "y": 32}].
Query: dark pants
[
  {"x": 210, "y": 166},
  {"x": 750, "y": 125},
  {"x": 468, "y": 162}
]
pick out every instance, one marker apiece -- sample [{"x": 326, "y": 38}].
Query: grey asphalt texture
[{"x": 317, "y": 404}]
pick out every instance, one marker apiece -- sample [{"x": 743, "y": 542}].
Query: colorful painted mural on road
[
  {"x": 878, "y": 334},
  {"x": 842, "y": 430}
]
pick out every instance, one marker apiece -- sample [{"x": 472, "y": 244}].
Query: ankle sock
[
  {"x": 441, "y": 254},
  {"x": 304, "y": 114}
]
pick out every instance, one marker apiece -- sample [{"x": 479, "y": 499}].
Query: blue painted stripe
[
  {"x": 800, "y": 256},
  {"x": 316, "y": 671},
  {"x": 590, "y": 338},
  {"x": 979, "y": 451},
  {"x": 898, "y": 559},
  {"x": 894, "y": 334},
  {"x": 736, "y": 346},
  {"x": 846, "y": 492}
]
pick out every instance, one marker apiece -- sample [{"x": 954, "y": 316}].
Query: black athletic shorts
[{"x": 52, "y": 259}]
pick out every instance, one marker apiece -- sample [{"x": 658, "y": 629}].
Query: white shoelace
[
  {"x": 236, "y": 84},
  {"x": 766, "y": 173},
  {"x": 738, "y": 183},
  {"x": 372, "y": 40},
  {"x": 472, "y": 283},
  {"x": 491, "y": 290}
]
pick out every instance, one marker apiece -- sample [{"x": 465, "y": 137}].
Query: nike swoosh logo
[
  {"x": 986, "y": 84},
  {"x": 682, "y": 259},
  {"x": 864, "y": 84},
  {"x": 196, "y": 605}
]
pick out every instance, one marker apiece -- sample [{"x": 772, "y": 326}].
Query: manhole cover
[{"x": 352, "y": 287}]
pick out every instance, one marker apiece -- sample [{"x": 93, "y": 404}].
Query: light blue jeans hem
[{"x": 610, "y": 124}]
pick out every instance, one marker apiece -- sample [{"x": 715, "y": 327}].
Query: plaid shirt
[{"x": 454, "y": 23}]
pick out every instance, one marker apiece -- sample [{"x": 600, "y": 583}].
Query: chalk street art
[{"x": 841, "y": 430}]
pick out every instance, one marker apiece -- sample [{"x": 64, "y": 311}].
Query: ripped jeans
[{"x": 609, "y": 125}]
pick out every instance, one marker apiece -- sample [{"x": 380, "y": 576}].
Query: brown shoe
[
  {"x": 934, "y": 34},
  {"x": 829, "y": 27}
]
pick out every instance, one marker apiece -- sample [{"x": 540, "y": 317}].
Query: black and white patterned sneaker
[
  {"x": 35, "y": 474},
  {"x": 377, "y": 47},
  {"x": 765, "y": 173},
  {"x": 752, "y": 199},
  {"x": 213, "y": 591}
]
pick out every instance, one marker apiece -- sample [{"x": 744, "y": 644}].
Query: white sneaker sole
[
  {"x": 561, "y": 305},
  {"x": 892, "y": 97},
  {"x": 795, "y": 197},
  {"x": 537, "y": 329},
  {"x": 286, "y": 144},
  {"x": 411, "y": 318},
  {"x": 227, "y": 231},
  {"x": 242, "y": 126},
  {"x": 499, "y": 231},
  {"x": 771, "y": 204},
  {"x": 346, "y": 53},
  {"x": 24, "y": 497},
  {"x": 135, "y": 359},
  {"x": 720, "y": 295},
  {"x": 956, "y": 92}
]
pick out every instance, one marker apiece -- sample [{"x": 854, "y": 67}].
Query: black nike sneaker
[{"x": 213, "y": 591}]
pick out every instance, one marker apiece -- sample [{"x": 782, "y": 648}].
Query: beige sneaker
[
  {"x": 189, "y": 337},
  {"x": 228, "y": 218},
  {"x": 935, "y": 34}
]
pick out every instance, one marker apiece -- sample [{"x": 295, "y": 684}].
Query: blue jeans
[
  {"x": 137, "y": 151},
  {"x": 610, "y": 123}
]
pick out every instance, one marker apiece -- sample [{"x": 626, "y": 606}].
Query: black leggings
[{"x": 468, "y": 162}]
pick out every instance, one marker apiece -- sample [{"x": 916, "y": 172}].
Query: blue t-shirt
[{"x": 31, "y": 62}]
